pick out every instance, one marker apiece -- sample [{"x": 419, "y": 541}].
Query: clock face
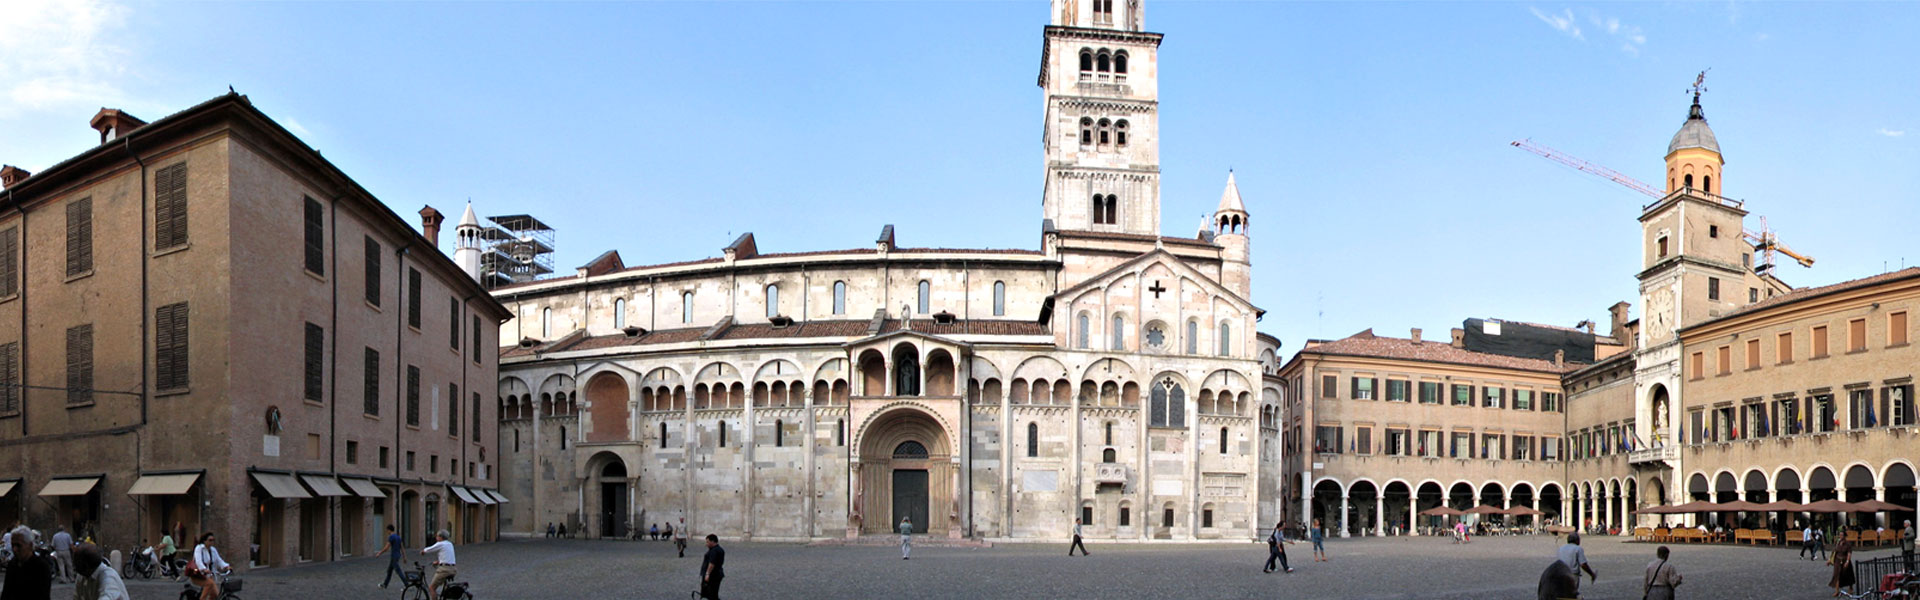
[{"x": 1660, "y": 314}]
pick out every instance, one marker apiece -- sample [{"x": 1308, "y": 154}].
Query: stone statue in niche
[{"x": 906, "y": 376}]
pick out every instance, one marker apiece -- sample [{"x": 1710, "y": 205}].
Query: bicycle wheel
[{"x": 413, "y": 592}]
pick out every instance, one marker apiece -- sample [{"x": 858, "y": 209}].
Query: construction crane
[{"x": 1764, "y": 241}]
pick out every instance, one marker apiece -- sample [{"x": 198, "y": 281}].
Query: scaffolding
[{"x": 515, "y": 249}]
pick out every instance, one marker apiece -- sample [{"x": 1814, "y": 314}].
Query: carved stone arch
[
  {"x": 1040, "y": 366},
  {"x": 717, "y": 371},
  {"x": 1109, "y": 369},
  {"x": 946, "y": 441},
  {"x": 778, "y": 369}
]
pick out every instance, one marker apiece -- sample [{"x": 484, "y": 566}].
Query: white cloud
[
  {"x": 295, "y": 127},
  {"x": 1631, "y": 37},
  {"x": 57, "y": 54},
  {"x": 1562, "y": 22},
  {"x": 1892, "y": 132}
]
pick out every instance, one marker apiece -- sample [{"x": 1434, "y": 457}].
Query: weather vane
[{"x": 1700, "y": 84}]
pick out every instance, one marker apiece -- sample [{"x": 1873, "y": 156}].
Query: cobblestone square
[{"x": 1489, "y": 568}]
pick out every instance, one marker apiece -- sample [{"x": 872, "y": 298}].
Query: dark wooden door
[
  {"x": 613, "y": 509},
  {"x": 910, "y": 499}
]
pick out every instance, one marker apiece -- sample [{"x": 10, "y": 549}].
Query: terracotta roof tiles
[
  {"x": 1815, "y": 292},
  {"x": 1367, "y": 344}
]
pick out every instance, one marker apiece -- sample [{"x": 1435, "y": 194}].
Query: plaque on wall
[{"x": 1040, "y": 481}]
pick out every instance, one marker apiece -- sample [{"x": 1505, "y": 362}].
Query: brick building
[{"x": 205, "y": 323}]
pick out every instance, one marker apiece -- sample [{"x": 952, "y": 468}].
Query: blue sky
[{"x": 1370, "y": 139}]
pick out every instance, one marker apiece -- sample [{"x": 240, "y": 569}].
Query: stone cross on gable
[{"x": 1156, "y": 289}]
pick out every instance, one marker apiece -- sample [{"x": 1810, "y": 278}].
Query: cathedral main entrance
[{"x": 905, "y": 471}]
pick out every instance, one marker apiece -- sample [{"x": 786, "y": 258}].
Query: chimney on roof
[
  {"x": 1560, "y": 358},
  {"x": 1416, "y": 335},
  {"x": 111, "y": 123},
  {"x": 430, "y": 220},
  {"x": 10, "y": 175},
  {"x": 1459, "y": 337},
  {"x": 1619, "y": 313}
]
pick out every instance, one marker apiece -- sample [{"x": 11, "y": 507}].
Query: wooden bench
[
  {"x": 1796, "y": 536},
  {"x": 1642, "y": 534},
  {"x": 1662, "y": 534}
]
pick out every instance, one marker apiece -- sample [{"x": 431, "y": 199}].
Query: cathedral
[{"x": 1112, "y": 375}]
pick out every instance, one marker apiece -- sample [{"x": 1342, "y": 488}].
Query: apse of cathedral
[{"x": 1113, "y": 375}]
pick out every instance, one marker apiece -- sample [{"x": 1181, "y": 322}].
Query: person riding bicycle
[
  {"x": 97, "y": 580},
  {"x": 443, "y": 562},
  {"x": 206, "y": 563}
]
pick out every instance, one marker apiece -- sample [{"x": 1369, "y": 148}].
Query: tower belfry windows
[
  {"x": 1120, "y": 133},
  {"x": 1086, "y": 131},
  {"x": 1120, "y": 63},
  {"x": 1103, "y": 12},
  {"x": 1106, "y": 132},
  {"x": 1104, "y": 62},
  {"x": 1086, "y": 61}
]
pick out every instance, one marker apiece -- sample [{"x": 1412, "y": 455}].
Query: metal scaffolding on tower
[{"x": 515, "y": 249}]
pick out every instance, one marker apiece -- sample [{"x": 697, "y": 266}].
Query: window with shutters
[
  {"x": 373, "y": 271},
  {"x": 9, "y": 262},
  {"x": 170, "y": 207},
  {"x": 1429, "y": 392},
  {"x": 476, "y": 339},
  {"x": 453, "y": 324},
  {"x": 1462, "y": 395},
  {"x": 1897, "y": 329},
  {"x": 1329, "y": 386},
  {"x": 475, "y": 415},
  {"x": 79, "y": 237},
  {"x": 170, "y": 347},
  {"x": 1819, "y": 342},
  {"x": 315, "y": 363},
  {"x": 1857, "y": 335},
  {"x": 413, "y": 298},
  {"x": 413, "y": 396},
  {"x": 10, "y": 379},
  {"x": 316, "y": 228},
  {"x": 80, "y": 365},
  {"x": 1363, "y": 388},
  {"x": 453, "y": 410},
  {"x": 371, "y": 400}
]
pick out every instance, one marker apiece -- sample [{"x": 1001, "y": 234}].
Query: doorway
[{"x": 910, "y": 498}]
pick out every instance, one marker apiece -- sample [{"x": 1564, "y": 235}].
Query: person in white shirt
[
  {"x": 207, "y": 562},
  {"x": 443, "y": 562},
  {"x": 97, "y": 581}
]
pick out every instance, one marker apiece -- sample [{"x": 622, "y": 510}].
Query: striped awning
[
  {"x": 483, "y": 496},
  {"x": 363, "y": 487},
  {"x": 465, "y": 495},
  {"x": 70, "y": 487},
  {"x": 6, "y": 487},
  {"x": 163, "y": 485},
  {"x": 325, "y": 486},
  {"x": 498, "y": 496},
  {"x": 280, "y": 485}
]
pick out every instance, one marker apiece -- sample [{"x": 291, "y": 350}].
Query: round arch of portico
[
  {"x": 1359, "y": 480},
  {"x": 721, "y": 371},
  {"x": 1881, "y": 476},
  {"x": 1336, "y": 482},
  {"x": 1398, "y": 480},
  {"x": 589, "y": 469},
  {"x": 1765, "y": 480},
  {"x": 826, "y": 369},
  {"x": 1040, "y": 366},
  {"x": 775, "y": 370},
  {"x": 1727, "y": 473},
  {"x": 1858, "y": 463},
  {"x": 1106, "y": 371},
  {"x": 983, "y": 369}
]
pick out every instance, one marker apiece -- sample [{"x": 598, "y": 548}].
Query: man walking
[
  {"x": 1076, "y": 541},
  {"x": 1806, "y": 541},
  {"x": 1819, "y": 544},
  {"x": 1276, "y": 550},
  {"x": 1576, "y": 558},
  {"x": 712, "y": 568},
  {"x": 392, "y": 550},
  {"x": 1661, "y": 578},
  {"x": 680, "y": 537},
  {"x": 1906, "y": 544},
  {"x": 906, "y": 538},
  {"x": 63, "y": 553}
]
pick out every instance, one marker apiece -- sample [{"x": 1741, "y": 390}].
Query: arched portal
[
  {"x": 607, "y": 494},
  {"x": 905, "y": 471},
  {"x": 1397, "y": 499}
]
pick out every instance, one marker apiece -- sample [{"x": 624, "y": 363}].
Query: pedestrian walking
[
  {"x": 1820, "y": 545},
  {"x": 1842, "y": 567},
  {"x": 1806, "y": 542},
  {"x": 712, "y": 568},
  {"x": 1661, "y": 578},
  {"x": 1319, "y": 535},
  {"x": 63, "y": 552},
  {"x": 906, "y": 538},
  {"x": 1906, "y": 544},
  {"x": 29, "y": 577},
  {"x": 1576, "y": 559},
  {"x": 680, "y": 537},
  {"x": 1276, "y": 550},
  {"x": 392, "y": 549},
  {"x": 549, "y": 529},
  {"x": 97, "y": 581},
  {"x": 1076, "y": 541}
]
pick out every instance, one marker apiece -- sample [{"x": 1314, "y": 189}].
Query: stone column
[
  {"x": 1806, "y": 496},
  {"x": 1413, "y": 500},
  {"x": 1380, "y": 514},
  {"x": 806, "y": 442},
  {"x": 1880, "y": 493},
  {"x": 1344, "y": 532}
]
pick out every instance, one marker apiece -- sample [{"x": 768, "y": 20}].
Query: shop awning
[
  {"x": 483, "y": 497},
  {"x": 498, "y": 496},
  {"x": 163, "y": 485},
  {"x": 365, "y": 488},
  {"x": 70, "y": 487},
  {"x": 280, "y": 486},
  {"x": 6, "y": 487},
  {"x": 465, "y": 496},
  {"x": 325, "y": 485}
]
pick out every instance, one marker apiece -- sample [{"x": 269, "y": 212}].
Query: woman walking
[
  {"x": 1319, "y": 535},
  {"x": 1842, "y": 567}
]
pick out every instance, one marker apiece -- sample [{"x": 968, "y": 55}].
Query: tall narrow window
[
  {"x": 1106, "y": 130},
  {"x": 779, "y": 433},
  {"x": 9, "y": 262},
  {"x": 170, "y": 347},
  {"x": 413, "y": 298},
  {"x": 1223, "y": 440},
  {"x": 475, "y": 328},
  {"x": 475, "y": 415},
  {"x": 1102, "y": 62},
  {"x": 371, "y": 401},
  {"x": 1193, "y": 337},
  {"x": 546, "y": 324},
  {"x": 1713, "y": 288},
  {"x": 10, "y": 379},
  {"x": 723, "y": 434},
  {"x": 373, "y": 271},
  {"x": 1706, "y": 183},
  {"x": 453, "y": 409},
  {"x": 1688, "y": 179},
  {"x": 170, "y": 207},
  {"x": 926, "y": 293},
  {"x": 453, "y": 323},
  {"x": 773, "y": 301},
  {"x": 840, "y": 433},
  {"x": 1086, "y": 60},
  {"x": 1099, "y": 210},
  {"x": 1080, "y": 331},
  {"x": 80, "y": 364},
  {"x": 1033, "y": 440},
  {"x": 1109, "y": 436},
  {"x": 1120, "y": 64},
  {"x": 316, "y": 228},
  {"x": 1086, "y": 131},
  {"x": 1226, "y": 339},
  {"x": 79, "y": 237},
  {"x": 1113, "y": 209},
  {"x": 1120, "y": 133},
  {"x": 620, "y": 313},
  {"x": 413, "y": 395},
  {"x": 686, "y": 307},
  {"x": 663, "y": 435},
  {"x": 839, "y": 297},
  {"x": 1000, "y": 298},
  {"x": 315, "y": 362},
  {"x": 1119, "y": 333}
]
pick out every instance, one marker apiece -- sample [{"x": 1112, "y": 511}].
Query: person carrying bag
[{"x": 1661, "y": 578}]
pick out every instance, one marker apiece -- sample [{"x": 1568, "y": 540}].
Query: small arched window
[
  {"x": 1120, "y": 62},
  {"x": 1104, "y": 62},
  {"x": 779, "y": 432},
  {"x": 663, "y": 435},
  {"x": 1033, "y": 440},
  {"x": 1107, "y": 456},
  {"x": 1119, "y": 334},
  {"x": 1120, "y": 133},
  {"x": 563, "y": 437},
  {"x": 1223, "y": 440},
  {"x": 1193, "y": 337},
  {"x": 1706, "y": 183},
  {"x": 910, "y": 449},
  {"x": 999, "y": 298},
  {"x": 840, "y": 433},
  {"x": 1106, "y": 132},
  {"x": 1080, "y": 331},
  {"x": 546, "y": 324},
  {"x": 773, "y": 300},
  {"x": 1226, "y": 338},
  {"x": 1086, "y": 60},
  {"x": 926, "y": 293},
  {"x": 620, "y": 313},
  {"x": 686, "y": 307},
  {"x": 1688, "y": 179},
  {"x": 1086, "y": 131},
  {"x": 1113, "y": 209},
  {"x": 1099, "y": 210},
  {"x": 839, "y": 297}
]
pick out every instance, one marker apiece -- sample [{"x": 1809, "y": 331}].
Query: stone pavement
[{"x": 1489, "y": 568}]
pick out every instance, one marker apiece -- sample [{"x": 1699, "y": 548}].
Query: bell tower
[{"x": 1101, "y": 132}]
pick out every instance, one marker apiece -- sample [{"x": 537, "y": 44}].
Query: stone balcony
[
  {"x": 1110, "y": 474},
  {"x": 1652, "y": 455}
]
